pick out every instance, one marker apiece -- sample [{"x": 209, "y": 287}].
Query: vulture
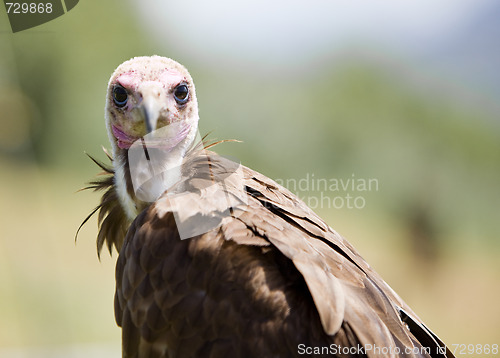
[{"x": 217, "y": 260}]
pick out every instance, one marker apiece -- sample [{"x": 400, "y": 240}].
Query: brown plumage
[{"x": 268, "y": 279}]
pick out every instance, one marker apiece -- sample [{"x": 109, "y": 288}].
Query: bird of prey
[{"x": 217, "y": 260}]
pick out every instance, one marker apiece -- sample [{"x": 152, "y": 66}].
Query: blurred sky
[{"x": 455, "y": 37}]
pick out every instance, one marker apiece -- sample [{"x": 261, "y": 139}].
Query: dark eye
[
  {"x": 120, "y": 96},
  {"x": 181, "y": 94}
]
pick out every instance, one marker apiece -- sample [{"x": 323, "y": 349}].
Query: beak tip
[
  {"x": 149, "y": 128},
  {"x": 151, "y": 115}
]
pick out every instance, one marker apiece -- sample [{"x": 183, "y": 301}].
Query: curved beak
[
  {"x": 151, "y": 106},
  {"x": 150, "y": 109}
]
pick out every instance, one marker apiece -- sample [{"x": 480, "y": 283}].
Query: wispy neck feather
[{"x": 112, "y": 220}]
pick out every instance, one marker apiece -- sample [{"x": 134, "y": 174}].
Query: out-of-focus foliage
[
  {"x": 435, "y": 153},
  {"x": 428, "y": 151},
  {"x": 62, "y": 68}
]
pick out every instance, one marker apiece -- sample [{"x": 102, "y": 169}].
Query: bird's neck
[{"x": 139, "y": 182}]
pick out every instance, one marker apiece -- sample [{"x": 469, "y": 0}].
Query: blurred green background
[{"x": 413, "y": 105}]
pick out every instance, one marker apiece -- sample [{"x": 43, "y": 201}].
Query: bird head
[
  {"x": 146, "y": 94},
  {"x": 151, "y": 99}
]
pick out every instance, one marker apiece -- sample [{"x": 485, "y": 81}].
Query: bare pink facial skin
[
  {"x": 128, "y": 80},
  {"x": 164, "y": 140},
  {"x": 123, "y": 140},
  {"x": 125, "y": 130},
  {"x": 169, "y": 78}
]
